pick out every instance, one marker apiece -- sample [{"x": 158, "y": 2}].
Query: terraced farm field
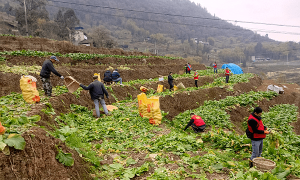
[{"x": 59, "y": 138}]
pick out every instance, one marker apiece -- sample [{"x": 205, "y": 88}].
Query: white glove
[{"x": 61, "y": 77}]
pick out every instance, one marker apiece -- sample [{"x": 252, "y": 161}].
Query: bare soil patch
[
  {"x": 41, "y": 44},
  {"x": 217, "y": 176},
  {"x": 37, "y": 160}
]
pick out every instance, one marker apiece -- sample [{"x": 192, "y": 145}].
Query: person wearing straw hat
[
  {"x": 97, "y": 91},
  {"x": 47, "y": 68},
  {"x": 259, "y": 131}
]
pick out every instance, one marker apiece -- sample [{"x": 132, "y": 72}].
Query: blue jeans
[
  {"x": 102, "y": 102},
  {"x": 117, "y": 80},
  {"x": 257, "y": 147},
  {"x": 215, "y": 70}
]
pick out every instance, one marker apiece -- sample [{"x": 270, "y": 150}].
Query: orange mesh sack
[
  {"x": 29, "y": 91},
  {"x": 2, "y": 129}
]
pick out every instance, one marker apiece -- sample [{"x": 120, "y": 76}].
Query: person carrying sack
[
  {"x": 197, "y": 123},
  {"x": 256, "y": 131},
  {"x": 97, "y": 91},
  {"x": 47, "y": 68}
]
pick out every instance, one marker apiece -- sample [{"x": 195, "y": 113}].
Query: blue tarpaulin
[{"x": 235, "y": 69}]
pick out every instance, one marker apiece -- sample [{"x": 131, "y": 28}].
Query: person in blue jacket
[
  {"x": 45, "y": 73},
  {"x": 116, "y": 77},
  {"x": 97, "y": 91}
]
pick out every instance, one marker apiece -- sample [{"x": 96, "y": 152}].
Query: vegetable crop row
[
  {"x": 281, "y": 146},
  {"x": 214, "y": 112},
  {"x": 77, "y": 56}
]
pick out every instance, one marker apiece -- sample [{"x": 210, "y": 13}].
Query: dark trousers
[
  {"x": 196, "y": 81},
  {"x": 47, "y": 86},
  {"x": 171, "y": 86},
  {"x": 215, "y": 70},
  {"x": 198, "y": 129},
  {"x": 227, "y": 79}
]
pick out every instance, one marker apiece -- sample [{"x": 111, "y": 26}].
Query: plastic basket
[
  {"x": 263, "y": 164},
  {"x": 71, "y": 84}
]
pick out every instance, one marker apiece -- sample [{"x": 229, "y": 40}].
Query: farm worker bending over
[
  {"x": 215, "y": 67},
  {"x": 107, "y": 76},
  {"x": 170, "y": 81},
  {"x": 47, "y": 68},
  {"x": 227, "y": 73},
  {"x": 197, "y": 123},
  {"x": 116, "y": 77},
  {"x": 256, "y": 126},
  {"x": 97, "y": 91},
  {"x": 196, "y": 77}
]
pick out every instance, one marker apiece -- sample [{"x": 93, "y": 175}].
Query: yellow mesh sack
[
  {"x": 98, "y": 74},
  {"x": 175, "y": 88},
  {"x": 29, "y": 91},
  {"x": 160, "y": 88},
  {"x": 150, "y": 108}
]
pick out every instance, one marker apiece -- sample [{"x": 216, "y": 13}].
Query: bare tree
[
  {"x": 36, "y": 9},
  {"x": 101, "y": 38}
]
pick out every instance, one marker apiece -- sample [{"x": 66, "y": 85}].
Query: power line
[
  {"x": 196, "y": 25},
  {"x": 175, "y": 15}
]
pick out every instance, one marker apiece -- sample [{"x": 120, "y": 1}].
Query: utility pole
[
  {"x": 25, "y": 18},
  {"x": 155, "y": 47}
]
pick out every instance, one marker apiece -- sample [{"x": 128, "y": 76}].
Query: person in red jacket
[
  {"x": 256, "y": 126},
  {"x": 196, "y": 77},
  {"x": 197, "y": 123},
  {"x": 227, "y": 74},
  {"x": 215, "y": 67}
]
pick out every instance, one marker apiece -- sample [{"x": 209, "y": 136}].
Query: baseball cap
[{"x": 54, "y": 57}]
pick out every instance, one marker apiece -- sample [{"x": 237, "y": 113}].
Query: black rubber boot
[{"x": 250, "y": 163}]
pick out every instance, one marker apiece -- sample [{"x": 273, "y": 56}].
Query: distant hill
[
  {"x": 151, "y": 15},
  {"x": 164, "y": 27}
]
